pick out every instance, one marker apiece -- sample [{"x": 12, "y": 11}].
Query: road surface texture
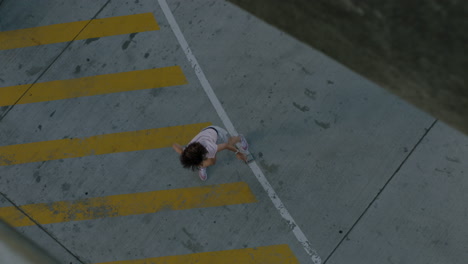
[{"x": 94, "y": 93}]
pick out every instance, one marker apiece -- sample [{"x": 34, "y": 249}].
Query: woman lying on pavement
[{"x": 201, "y": 151}]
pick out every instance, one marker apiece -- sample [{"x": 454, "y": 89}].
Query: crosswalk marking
[
  {"x": 98, "y": 145},
  {"x": 96, "y": 28},
  {"x": 123, "y": 204},
  {"x": 92, "y": 85},
  {"x": 129, "y": 204},
  {"x": 276, "y": 254}
]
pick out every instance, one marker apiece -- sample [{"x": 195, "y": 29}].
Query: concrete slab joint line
[
  {"x": 54, "y": 60},
  {"x": 230, "y": 127},
  {"x": 4, "y": 196},
  {"x": 381, "y": 190},
  {"x": 75, "y": 255}
]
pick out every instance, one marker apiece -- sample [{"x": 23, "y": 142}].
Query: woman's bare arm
[
  {"x": 208, "y": 162},
  {"x": 232, "y": 148},
  {"x": 178, "y": 148}
]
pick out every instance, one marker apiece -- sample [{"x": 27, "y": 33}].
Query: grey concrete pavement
[
  {"x": 44, "y": 239},
  {"x": 353, "y": 164},
  {"x": 420, "y": 215}
]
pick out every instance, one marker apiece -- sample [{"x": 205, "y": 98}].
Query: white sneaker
[
  {"x": 243, "y": 143},
  {"x": 202, "y": 174}
]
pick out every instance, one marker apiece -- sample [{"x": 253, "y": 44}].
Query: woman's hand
[{"x": 241, "y": 156}]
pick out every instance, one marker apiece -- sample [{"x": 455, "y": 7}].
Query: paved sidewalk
[{"x": 86, "y": 168}]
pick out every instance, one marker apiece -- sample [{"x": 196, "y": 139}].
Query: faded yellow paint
[
  {"x": 95, "y": 28},
  {"x": 98, "y": 145},
  {"x": 276, "y": 254},
  {"x": 93, "y": 85},
  {"x": 14, "y": 217},
  {"x": 129, "y": 204}
]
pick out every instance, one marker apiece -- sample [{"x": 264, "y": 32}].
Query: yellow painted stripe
[
  {"x": 276, "y": 254},
  {"x": 130, "y": 204},
  {"x": 98, "y": 145},
  {"x": 96, "y": 28},
  {"x": 93, "y": 85}
]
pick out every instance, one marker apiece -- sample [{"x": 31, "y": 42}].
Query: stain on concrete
[
  {"x": 39, "y": 127},
  {"x": 216, "y": 32},
  {"x": 40, "y": 165},
  {"x": 33, "y": 70},
  {"x": 304, "y": 69},
  {"x": 76, "y": 228},
  {"x": 271, "y": 168},
  {"x": 234, "y": 231},
  {"x": 146, "y": 55},
  {"x": 188, "y": 234},
  {"x": 260, "y": 155},
  {"x": 142, "y": 109},
  {"x": 226, "y": 208},
  {"x": 166, "y": 207},
  {"x": 311, "y": 94},
  {"x": 301, "y": 108},
  {"x": 154, "y": 92},
  {"x": 5, "y": 161},
  {"x": 66, "y": 187},
  {"x": 1, "y": 80},
  {"x": 127, "y": 43},
  {"x": 20, "y": 66},
  {"x": 454, "y": 159},
  {"x": 52, "y": 114},
  {"x": 192, "y": 244},
  {"x": 77, "y": 69},
  {"x": 90, "y": 40},
  {"x": 330, "y": 82},
  {"x": 446, "y": 171},
  {"x": 93, "y": 212},
  {"x": 323, "y": 125},
  {"x": 37, "y": 177},
  {"x": 147, "y": 219}
]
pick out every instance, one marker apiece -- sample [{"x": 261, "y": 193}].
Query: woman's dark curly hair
[{"x": 193, "y": 155}]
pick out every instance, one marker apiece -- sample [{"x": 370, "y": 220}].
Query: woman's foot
[
  {"x": 243, "y": 143},
  {"x": 202, "y": 174}
]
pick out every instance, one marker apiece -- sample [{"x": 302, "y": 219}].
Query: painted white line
[{"x": 231, "y": 129}]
